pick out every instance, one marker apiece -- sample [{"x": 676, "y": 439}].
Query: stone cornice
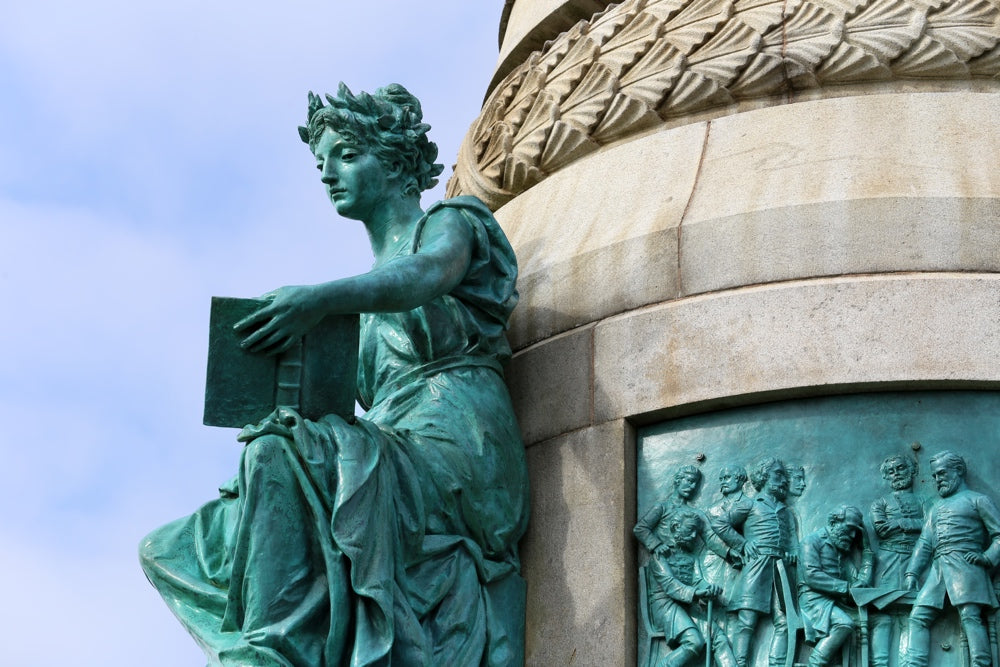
[{"x": 644, "y": 63}]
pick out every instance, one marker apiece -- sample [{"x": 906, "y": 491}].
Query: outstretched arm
[{"x": 400, "y": 284}]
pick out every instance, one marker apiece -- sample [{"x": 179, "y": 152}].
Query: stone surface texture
[
  {"x": 817, "y": 218},
  {"x": 579, "y": 553},
  {"x": 531, "y": 23},
  {"x": 642, "y": 63},
  {"x": 761, "y": 196}
]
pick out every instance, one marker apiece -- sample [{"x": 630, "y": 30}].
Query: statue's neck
[{"x": 391, "y": 225}]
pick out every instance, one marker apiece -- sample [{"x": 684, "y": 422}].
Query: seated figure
[
  {"x": 826, "y": 576},
  {"x": 390, "y": 538},
  {"x": 676, "y": 589}
]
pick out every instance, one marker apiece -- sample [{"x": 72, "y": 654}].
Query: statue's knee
[
  {"x": 147, "y": 553},
  {"x": 922, "y": 617},
  {"x": 746, "y": 620},
  {"x": 151, "y": 552},
  {"x": 970, "y": 613},
  {"x": 265, "y": 451},
  {"x": 841, "y": 632},
  {"x": 693, "y": 640}
]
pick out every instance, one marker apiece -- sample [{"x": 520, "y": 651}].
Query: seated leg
[
  {"x": 691, "y": 644},
  {"x": 285, "y": 566},
  {"x": 722, "y": 651},
  {"x": 828, "y": 646}
]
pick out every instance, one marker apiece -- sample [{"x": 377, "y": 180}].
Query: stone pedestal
[{"x": 718, "y": 205}]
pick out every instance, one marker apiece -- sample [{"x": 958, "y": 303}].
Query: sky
[{"x": 149, "y": 160}]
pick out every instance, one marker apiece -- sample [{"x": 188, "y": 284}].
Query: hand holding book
[
  {"x": 288, "y": 314},
  {"x": 315, "y": 373}
]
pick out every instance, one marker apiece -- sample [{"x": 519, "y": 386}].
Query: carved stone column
[{"x": 721, "y": 203}]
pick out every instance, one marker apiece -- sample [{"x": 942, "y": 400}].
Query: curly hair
[
  {"x": 687, "y": 471},
  {"x": 760, "y": 472},
  {"x": 910, "y": 463},
  {"x": 737, "y": 471},
  {"x": 387, "y": 123}
]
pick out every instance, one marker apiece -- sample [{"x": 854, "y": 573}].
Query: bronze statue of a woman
[{"x": 392, "y": 537}]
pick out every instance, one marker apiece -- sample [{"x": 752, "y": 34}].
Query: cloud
[
  {"x": 94, "y": 609},
  {"x": 148, "y": 161}
]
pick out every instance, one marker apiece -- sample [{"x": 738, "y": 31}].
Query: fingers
[
  {"x": 259, "y": 316},
  {"x": 256, "y": 317},
  {"x": 256, "y": 340},
  {"x": 273, "y": 424},
  {"x": 283, "y": 347},
  {"x": 975, "y": 559},
  {"x": 266, "y": 341},
  {"x": 268, "y": 333}
]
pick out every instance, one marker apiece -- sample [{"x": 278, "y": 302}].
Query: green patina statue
[
  {"x": 903, "y": 586},
  {"x": 681, "y": 598},
  {"x": 826, "y": 577},
  {"x": 390, "y": 538},
  {"x": 960, "y": 545},
  {"x": 763, "y": 531},
  {"x": 897, "y": 519}
]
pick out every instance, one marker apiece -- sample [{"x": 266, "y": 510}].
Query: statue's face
[
  {"x": 842, "y": 534},
  {"x": 946, "y": 478},
  {"x": 686, "y": 485},
  {"x": 796, "y": 481},
  {"x": 685, "y": 534},
  {"x": 355, "y": 180},
  {"x": 777, "y": 482},
  {"x": 729, "y": 481},
  {"x": 899, "y": 474}
]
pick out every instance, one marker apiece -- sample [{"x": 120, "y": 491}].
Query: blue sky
[{"x": 148, "y": 161}]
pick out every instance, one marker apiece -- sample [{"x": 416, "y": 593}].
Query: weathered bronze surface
[
  {"x": 391, "y": 538},
  {"x": 812, "y": 579}
]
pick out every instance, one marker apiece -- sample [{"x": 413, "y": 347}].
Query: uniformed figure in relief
[
  {"x": 897, "y": 518},
  {"x": 653, "y": 529},
  {"x": 762, "y": 530},
  {"x": 746, "y": 556},
  {"x": 796, "y": 487},
  {"x": 826, "y": 575},
  {"x": 718, "y": 570},
  {"x": 796, "y": 482},
  {"x": 959, "y": 542},
  {"x": 679, "y": 596}
]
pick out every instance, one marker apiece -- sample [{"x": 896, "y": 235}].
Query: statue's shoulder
[
  {"x": 813, "y": 541},
  {"x": 742, "y": 505},
  {"x": 467, "y": 203},
  {"x": 982, "y": 499}
]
